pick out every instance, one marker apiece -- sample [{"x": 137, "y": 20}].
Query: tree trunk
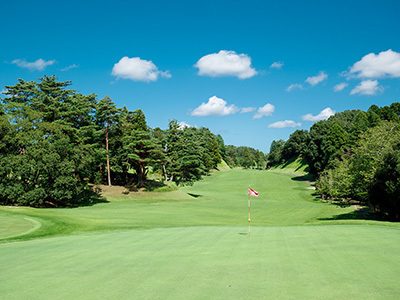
[
  {"x": 108, "y": 159},
  {"x": 165, "y": 173},
  {"x": 142, "y": 174}
]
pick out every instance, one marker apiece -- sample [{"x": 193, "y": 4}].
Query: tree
[
  {"x": 384, "y": 194},
  {"x": 275, "y": 153},
  {"x": 336, "y": 183},
  {"x": 106, "y": 117},
  {"x": 141, "y": 148},
  {"x": 46, "y": 173},
  {"x": 370, "y": 172},
  {"x": 335, "y": 142},
  {"x": 296, "y": 144},
  {"x": 369, "y": 154},
  {"x": 188, "y": 155},
  {"x": 221, "y": 144},
  {"x": 189, "y": 166}
]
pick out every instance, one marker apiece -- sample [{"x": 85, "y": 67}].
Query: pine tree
[{"x": 106, "y": 118}]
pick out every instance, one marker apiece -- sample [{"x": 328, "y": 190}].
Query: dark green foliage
[
  {"x": 47, "y": 173},
  {"x": 275, "y": 155},
  {"x": 296, "y": 144},
  {"x": 369, "y": 174},
  {"x": 245, "y": 157},
  {"x": 55, "y": 140},
  {"x": 106, "y": 120},
  {"x": 141, "y": 151},
  {"x": 384, "y": 194},
  {"x": 354, "y": 155},
  {"x": 221, "y": 144},
  {"x": 190, "y": 153}
]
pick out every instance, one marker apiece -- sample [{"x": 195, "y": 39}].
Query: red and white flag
[{"x": 253, "y": 192}]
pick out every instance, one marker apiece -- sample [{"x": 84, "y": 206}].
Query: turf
[
  {"x": 192, "y": 243},
  {"x": 313, "y": 262}
]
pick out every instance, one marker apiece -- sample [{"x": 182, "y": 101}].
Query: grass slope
[
  {"x": 295, "y": 166},
  {"x": 195, "y": 246}
]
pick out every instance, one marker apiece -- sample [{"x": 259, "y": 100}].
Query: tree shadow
[
  {"x": 148, "y": 185},
  {"x": 361, "y": 214},
  {"x": 303, "y": 163},
  {"x": 88, "y": 197},
  {"x": 194, "y": 195},
  {"x": 309, "y": 177}
]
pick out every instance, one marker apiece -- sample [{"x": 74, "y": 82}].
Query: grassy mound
[
  {"x": 14, "y": 225},
  {"x": 296, "y": 166}
]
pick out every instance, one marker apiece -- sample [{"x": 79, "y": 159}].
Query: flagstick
[{"x": 249, "y": 213}]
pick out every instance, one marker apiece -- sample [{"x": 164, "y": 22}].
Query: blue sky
[{"x": 252, "y": 71}]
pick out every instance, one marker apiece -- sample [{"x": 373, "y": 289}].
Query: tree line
[
  {"x": 354, "y": 154},
  {"x": 54, "y": 141}
]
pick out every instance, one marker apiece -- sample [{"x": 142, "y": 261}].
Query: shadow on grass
[
  {"x": 152, "y": 185},
  {"x": 303, "y": 162},
  {"x": 88, "y": 198},
  {"x": 308, "y": 177},
  {"x": 361, "y": 214},
  {"x": 194, "y": 195}
]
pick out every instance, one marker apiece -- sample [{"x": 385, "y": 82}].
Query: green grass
[
  {"x": 192, "y": 243},
  {"x": 295, "y": 166}
]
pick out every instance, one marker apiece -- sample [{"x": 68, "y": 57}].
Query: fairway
[{"x": 193, "y": 244}]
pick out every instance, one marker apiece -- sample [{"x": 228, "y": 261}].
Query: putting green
[
  {"x": 283, "y": 262},
  {"x": 14, "y": 225}
]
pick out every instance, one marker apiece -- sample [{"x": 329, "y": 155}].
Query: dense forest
[
  {"x": 355, "y": 155},
  {"x": 55, "y": 143}
]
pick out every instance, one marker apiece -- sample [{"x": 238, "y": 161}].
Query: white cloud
[
  {"x": 276, "y": 65},
  {"x": 73, "y": 66},
  {"x": 226, "y": 63},
  {"x": 244, "y": 110},
  {"x": 183, "y": 124},
  {"x": 314, "y": 80},
  {"x": 284, "y": 124},
  {"x": 294, "y": 86},
  {"x": 137, "y": 69},
  {"x": 266, "y": 110},
  {"x": 214, "y": 107},
  {"x": 385, "y": 64},
  {"x": 323, "y": 115},
  {"x": 340, "y": 87},
  {"x": 367, "y": 87},
  {"x": 38, "y": 65}
]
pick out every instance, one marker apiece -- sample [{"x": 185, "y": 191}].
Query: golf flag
[{"x": 253, "y": 192}]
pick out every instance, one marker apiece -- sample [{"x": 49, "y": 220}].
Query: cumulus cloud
[
  {"x": 226, "y": 63},
  {"x": 323, "y": 115},
  {"x": 367, "y": 87},
  {"x": 265, "y": 110},
  {"x": 276, "y": 65},
  {"x": 385, "y": 64},
  {"x": 294, "y": 86},
  {"x": 244, "y": 110},
  {"x": 214, "y": 107},
  {"x": 314, "y": 80},
  {"x": 284, "y": 124},
  {"x": 138, "y": 69},
  {"x": 73, "y": 66},
  {"x": 340, "y": 87},
  {"x": 38, "y": 65},
  {"x": 183, "y": 124}
]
